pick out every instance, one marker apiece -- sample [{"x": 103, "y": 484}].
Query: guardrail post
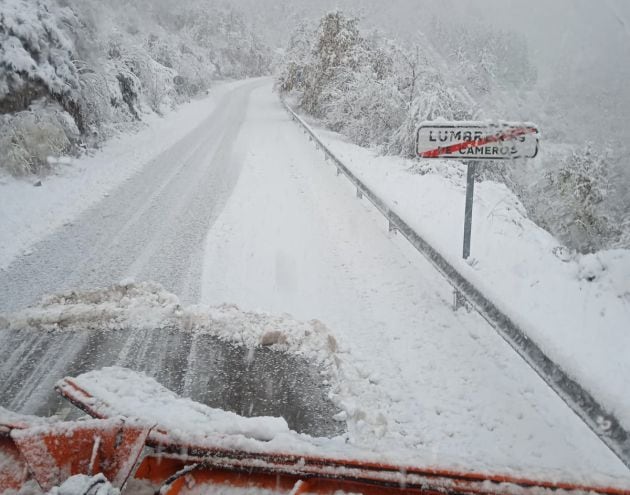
[
  {"x": 338, "y": 171},
  {"x": 459, "y": 301},
  {"x": 359, "y": 193},
  {"x": 392, "y": 228}
]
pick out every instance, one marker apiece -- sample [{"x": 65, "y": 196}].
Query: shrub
[
  {"x": 575, "y": 200},
  {"x": 29, "y": 138}
]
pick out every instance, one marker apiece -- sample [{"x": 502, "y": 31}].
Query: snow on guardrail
[{"x": 602, "y": 422}]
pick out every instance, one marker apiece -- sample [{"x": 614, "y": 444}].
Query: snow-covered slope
[
  {"x": 577, "y": 307},
  {"x": 75, "y": 72}
]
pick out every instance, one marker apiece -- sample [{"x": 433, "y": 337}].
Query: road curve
[{"x": 152, "y": 227}]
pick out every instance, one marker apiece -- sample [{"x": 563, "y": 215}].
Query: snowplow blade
[
  {"x": 191, "y": 454},
  {"x": 13, "y": 468},
  {"x": 177, "y": 475},
  {"x": 200, "y": 459},
  {"x": 52, "y": 452}
]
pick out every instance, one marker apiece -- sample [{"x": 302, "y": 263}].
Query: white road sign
[{"x": 477, "y": 140}]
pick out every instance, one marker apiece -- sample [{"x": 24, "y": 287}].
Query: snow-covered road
[
  {"x": 152, "y": 227},
  {"x": 244, "y": 210}
]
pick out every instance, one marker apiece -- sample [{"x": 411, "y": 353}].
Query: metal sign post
[
  {"x": 471, "y": 142},
  {"x": 470, "y": 192}
]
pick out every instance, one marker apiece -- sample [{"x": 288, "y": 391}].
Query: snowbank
[{"x": 148, "y": 306}]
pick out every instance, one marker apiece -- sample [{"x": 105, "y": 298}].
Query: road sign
[
  {"x": 471, "y": 142},
  {"x": 477, "y": 140}
]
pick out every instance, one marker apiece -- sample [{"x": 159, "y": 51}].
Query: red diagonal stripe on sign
[{"x": 502, "y": 136}]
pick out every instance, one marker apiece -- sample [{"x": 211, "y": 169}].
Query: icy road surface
[{"x": 245, "y": 210}]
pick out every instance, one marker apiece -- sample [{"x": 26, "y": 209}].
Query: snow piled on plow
[
  {"x": 133, "y": 394},
  {"x": 183, "y": 426},
  {"x": 82, "y": 484},
  {"x": 148, "y": 306},
  {"x": 117, "y": 391}
]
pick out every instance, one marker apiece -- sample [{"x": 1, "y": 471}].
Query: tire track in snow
[{"x": 152, "y": 227}]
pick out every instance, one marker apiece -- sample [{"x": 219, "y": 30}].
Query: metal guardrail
[{"x": 603, "y": 423}]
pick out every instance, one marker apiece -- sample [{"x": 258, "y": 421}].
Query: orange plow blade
[
  {"x": 183, "y": 475},
  {"x": 203, "y": 458},
  {"x": 13, "y": 468},
  {"x": 51, "y": 453},
  {"x": 177, "y": 476},
  {"x": 208, "y": 460}
]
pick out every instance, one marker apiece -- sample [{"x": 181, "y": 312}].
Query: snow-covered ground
[
  {"x": 292, "y": 238},
  {"x": 28, "y": 213},
  {"x": 576, "y": 307}
]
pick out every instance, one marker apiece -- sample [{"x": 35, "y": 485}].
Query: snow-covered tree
[
  {"x": 296, "y": 59},
  {"x": 336, "y": 49},
  {"x": 577, "y": 191},
  {"x": 102, "y": 65},
  {"x": 35, "y": 56},
  {"x": 483, "y": 58},
  {"x": 365, "y": 86},
  {"x": 364, "y": 106}
]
